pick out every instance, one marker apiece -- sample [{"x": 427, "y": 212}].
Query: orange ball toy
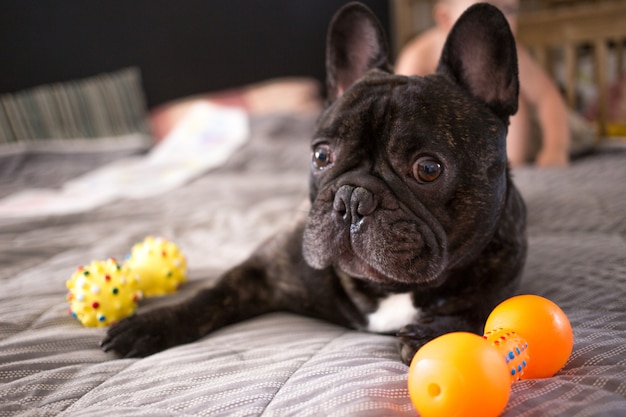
[
  {"x": 465, "y": 375},
  {"x": 459, "y": 374}
]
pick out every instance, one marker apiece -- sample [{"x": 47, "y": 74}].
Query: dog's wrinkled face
[{"x": 408, "y": 174}]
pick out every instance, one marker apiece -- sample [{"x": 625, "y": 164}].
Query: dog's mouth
[
  {"x": 358, "y": 268},
  {"x": 387, "y": 256}
]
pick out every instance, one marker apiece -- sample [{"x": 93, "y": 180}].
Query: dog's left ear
[
  {"x": 481, "y": 56},
  {"x": 355, "y": 44}
]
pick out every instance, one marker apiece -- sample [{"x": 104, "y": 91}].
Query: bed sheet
[{"x": 280, "y": 364}]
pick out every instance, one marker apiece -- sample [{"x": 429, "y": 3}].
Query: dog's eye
[
  {"x": 322, "y": 156},
  {"x": 427, "y": 169}
]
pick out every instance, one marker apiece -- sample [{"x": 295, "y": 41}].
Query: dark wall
[{"x": 182, "y": 46}]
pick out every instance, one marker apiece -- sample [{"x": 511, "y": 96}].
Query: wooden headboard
[{"x": 567, "y": 31}]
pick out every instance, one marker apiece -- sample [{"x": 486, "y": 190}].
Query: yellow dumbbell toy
[{"x": 104, "y": 292}]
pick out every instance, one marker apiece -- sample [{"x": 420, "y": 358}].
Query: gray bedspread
[{"x": 281, "y": 364}]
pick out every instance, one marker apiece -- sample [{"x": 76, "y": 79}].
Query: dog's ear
[
  {"x": 355, "y": 44},
  {"x": 481, "y": 56}
]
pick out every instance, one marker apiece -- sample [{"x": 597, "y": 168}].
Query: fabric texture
[{"x": 281, "y": 364}]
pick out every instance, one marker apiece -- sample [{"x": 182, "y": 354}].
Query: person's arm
[
  {"x": 421, "y": 55},
  {"x": 541, "y": 93}
]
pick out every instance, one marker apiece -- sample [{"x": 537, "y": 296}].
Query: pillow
[
  {"x": 106, "y": 105},
  {"x": 291, "y": 95}
]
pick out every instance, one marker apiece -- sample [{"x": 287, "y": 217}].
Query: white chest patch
[{"x": 393, "y": 313}]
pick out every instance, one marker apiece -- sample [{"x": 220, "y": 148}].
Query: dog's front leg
[{"x": 241, "y": 293}]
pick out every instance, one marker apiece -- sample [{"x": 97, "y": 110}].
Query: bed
[{"x": 55, "y": 215}]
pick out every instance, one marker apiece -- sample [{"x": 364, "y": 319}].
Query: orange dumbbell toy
[{"x": 463, "y": 374}]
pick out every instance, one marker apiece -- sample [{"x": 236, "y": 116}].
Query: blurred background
[
  {"x": 580, "y": 43},
  {"x": 188, "y": 47}
]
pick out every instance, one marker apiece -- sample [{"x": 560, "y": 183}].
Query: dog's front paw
[
  {"x": 137, "y": 336},
  {"x": 413, "y": 336}
]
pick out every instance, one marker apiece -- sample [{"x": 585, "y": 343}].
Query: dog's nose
[{"x": 352, "y": 204}]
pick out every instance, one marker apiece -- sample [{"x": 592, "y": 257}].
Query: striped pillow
[{"x": 110, "y": 104}]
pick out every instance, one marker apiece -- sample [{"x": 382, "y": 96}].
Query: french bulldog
[{"x": 414, "y": 226}]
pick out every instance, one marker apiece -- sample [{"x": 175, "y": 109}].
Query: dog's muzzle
[{"x": 352, "y": 204}]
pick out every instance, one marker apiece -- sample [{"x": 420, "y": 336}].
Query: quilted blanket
[{"x": 281, "y": 364}]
